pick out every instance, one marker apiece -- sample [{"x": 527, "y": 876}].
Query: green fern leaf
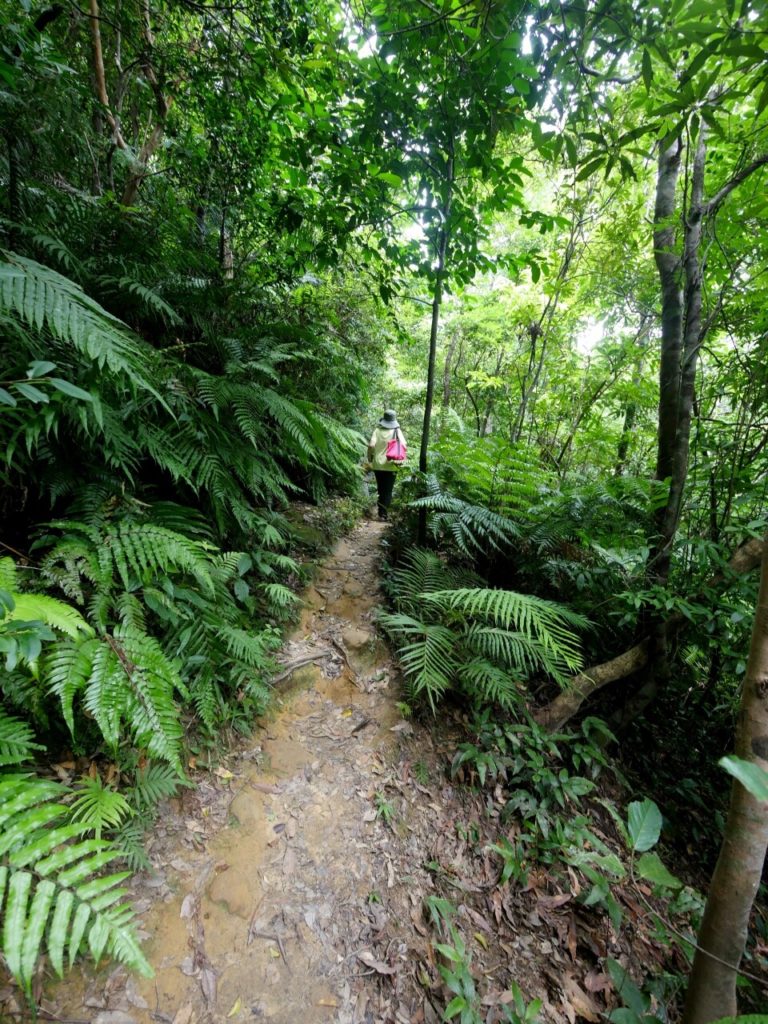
[{"x": 51, "y": 883}]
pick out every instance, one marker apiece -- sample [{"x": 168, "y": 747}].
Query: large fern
[
  {"x": 53, "y": 894},
  {"x": 127, "y": 684},
  {"x": 486, "y": 643},
  {"x": 474, "y": 529},
  {"x": 40, "y": 297}
]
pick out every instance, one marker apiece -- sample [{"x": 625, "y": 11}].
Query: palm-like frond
[
  {"x": 17, "y": 741},
  {"x": 474, "y": 529},
  {"x": 52, "y": 891},
  {"x": 548, "y": 625},
  {"x": 427, "y": 653},
  {"x": 42, "y": 298}
]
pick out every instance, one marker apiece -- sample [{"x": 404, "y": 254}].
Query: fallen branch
[{"x": 560, "y": 710}]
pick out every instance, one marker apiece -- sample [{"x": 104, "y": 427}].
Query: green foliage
[
  {"x": 473, "y": 529},
  {"x": 482, "y": 642},
  {"x": 96, "y": 806},
  {"x": 52, "y": 889}
]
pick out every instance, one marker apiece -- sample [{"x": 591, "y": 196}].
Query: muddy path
[{"x": 273, "y": 915}]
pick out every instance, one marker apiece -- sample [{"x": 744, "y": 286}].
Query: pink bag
[{"x": 396, "y": 449}]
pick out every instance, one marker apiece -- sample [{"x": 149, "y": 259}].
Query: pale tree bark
[
  {"x": 437, "y": 299},
  {"x": 732, "y": 890},
  {"x": 139, "y": 161}
]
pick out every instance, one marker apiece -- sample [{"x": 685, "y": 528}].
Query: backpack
[{"x": 396, "y": 449}]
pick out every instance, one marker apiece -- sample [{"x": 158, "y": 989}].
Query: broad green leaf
[
  {"x": 40, "y": 368},
  {"x": 644, "y": 824},
  {"x": 70, "y": 389},
  {"x": 626, "y": 989},
  {"x": 751, "y": 775},
  {"x": 33, "y": 935},
  {"x": 32, "y": 393},
  {"x": 650, "y": 866},
  {"x": 6, "y": 398},
  {"x": 456, "y": 1005},
  {"x": 448, "y": 952},
  {"x": 647, "y": 70},
  {"x": 57, "y": 935}
]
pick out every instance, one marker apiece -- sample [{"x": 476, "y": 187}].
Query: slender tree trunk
[
  {"x": 630, "y": 409},
  {"x": 447, "y": 369},
  {"x": 437, "y": 298},
  {"x": 667, "y": 263},
  {"x": 723, "y": 933}
]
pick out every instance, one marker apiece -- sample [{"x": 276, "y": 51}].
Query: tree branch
[{"x": 712, "y": 205}]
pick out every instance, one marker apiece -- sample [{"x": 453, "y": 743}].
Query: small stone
[
  {"x": 355, "y": 639},
  {"x": 246, "y": 809}
]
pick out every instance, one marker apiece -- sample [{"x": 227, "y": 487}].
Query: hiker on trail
[{"x": 386, "y": 451}]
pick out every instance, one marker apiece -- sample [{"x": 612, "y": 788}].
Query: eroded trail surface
[{"x": 275, "y": 914}]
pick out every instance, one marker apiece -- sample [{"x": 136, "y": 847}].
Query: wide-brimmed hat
[{"x": 389, "y": 419}]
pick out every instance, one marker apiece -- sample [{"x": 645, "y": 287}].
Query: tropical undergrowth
[
  {"x": 528, "y": 578},
  {"x": 149, "y": 564}
]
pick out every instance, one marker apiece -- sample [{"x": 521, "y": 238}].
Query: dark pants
[{"x": 385, "y": 483}]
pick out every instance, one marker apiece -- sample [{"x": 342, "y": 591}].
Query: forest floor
[{"x": 288, "y": 885}]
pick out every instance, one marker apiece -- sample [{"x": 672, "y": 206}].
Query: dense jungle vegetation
[{"x": 232, "y": 233}]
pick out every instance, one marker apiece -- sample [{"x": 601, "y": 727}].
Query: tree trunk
[
  {"x": 447, "y": 369},
  {"x": 667, "y": 263},
  {"x": 437, "y": 298},
  {"x": 723, "y": 933},
  {"x": 630, "y": 409}
]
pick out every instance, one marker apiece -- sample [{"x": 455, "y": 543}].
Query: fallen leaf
[
  {"x": 369, "y": 815},
  {"x": 370, "y": 960},
  {"x": 224, "y": 773},
  {"x": 290, "y": 828},
  {"x": 188, "y": 906},
  {"x": 481, "y": 939},
  {"x": 236, "y": 1007},
  {"x": 595, "y": 981},
  {"x": 580, "y": 1001},
  {"x": 327, "y": 1001},
  {"x": 274, "y": 952},
  {"x": 265, "y": 787},
  {"x": 289, "y": 862},
  {"x": 346, "y": 712},
  {"x": 183, "y": 1015},
  {"x": 208, "y": 984}
]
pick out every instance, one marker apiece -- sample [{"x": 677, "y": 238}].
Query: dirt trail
[
  {"x": 271, "y": 918},
  {"x": 291, "y": 885}
]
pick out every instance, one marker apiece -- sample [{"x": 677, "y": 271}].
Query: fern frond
[
  {"x": 473, "y": 528},
  {"x": 42, "y": 298},
  {"x": 39, "y": 607},
  {"x": 51, "y": 889},
  {"x": 486, "y": 683},
  {"x": 96, "y": 806},
  {"x": 16, "y": 740},
  {"x": 548, "y": 624},
  {"x": 427, "y": 653}
]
